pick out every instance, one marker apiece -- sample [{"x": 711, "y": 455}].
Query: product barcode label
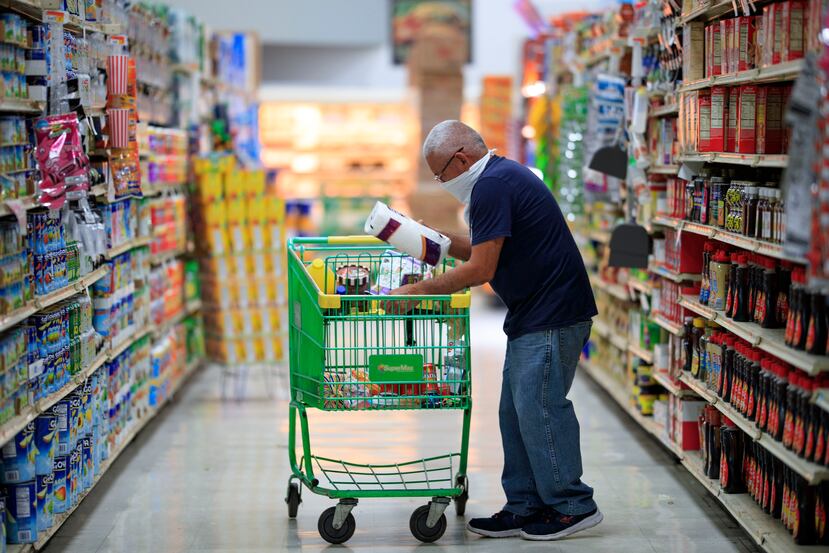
[
  {"x": 24, "y": 536},
  {"x": 12, "y": 475}
]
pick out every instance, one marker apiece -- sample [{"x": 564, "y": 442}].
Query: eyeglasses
[{"x": 439, "y": 176}]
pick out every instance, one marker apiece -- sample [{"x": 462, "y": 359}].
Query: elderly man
[{"x": 520, "y": 244}]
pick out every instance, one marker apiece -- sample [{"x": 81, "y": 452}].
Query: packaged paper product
[{"x": 407, "y": 235}]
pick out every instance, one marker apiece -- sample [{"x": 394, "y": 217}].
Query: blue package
[
  {"x": 64, "y": 440},
  {"x": 75, "y": 419},
  {"x": 45, "y": 442},
  {"x": 75, "y": 474},
  {"x": 3, "y": 518},
  {"x": 87, "y": 469},
  {"x": 21, "y": 515},
  {"x": 18, "y": 458},
  {"x": 44, "y": 488},
  {"x": 60, "y": 486}
]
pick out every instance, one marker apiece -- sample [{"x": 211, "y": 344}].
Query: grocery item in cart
[
  {"x": 396, "y": 270},
  {"x": 407, "y": 235}
]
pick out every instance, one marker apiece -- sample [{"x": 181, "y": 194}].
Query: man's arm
[
  {"x": 461, "y": 247},
  {"x": 479, "y": 270}
]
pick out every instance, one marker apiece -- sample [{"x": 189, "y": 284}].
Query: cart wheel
[
  {"x": 460, "y": 501},
  {"x": 293, "y": 499},
  {"x": 331, "y": 534},
  {"x": 417, "y": 524}
]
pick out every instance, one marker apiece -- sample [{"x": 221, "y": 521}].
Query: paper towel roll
[{"x": 406, "y": 235}]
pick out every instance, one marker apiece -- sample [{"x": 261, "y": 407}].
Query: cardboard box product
[
  {"x": 732, "y": 113},
  {"x": 704, "y": 120},
  {"x": 745, "y": 36},
  {"x": 713, "y": 50},
  {"x": 777, "y": 32},
  {"x": 770, "y": 128},
  {"x": 747, "y": 120},
  {"x": 719, "y": 118},
  {"x": 793, "y": 40},
  {"x": 693, "y": 44}
]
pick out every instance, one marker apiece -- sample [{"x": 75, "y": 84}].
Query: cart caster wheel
[
  {"x": 417, "y": 524},
  {"x": 334, "y": 535},
  {"x": 293, "y": 499},
  {"x": 460, "y": 501}
]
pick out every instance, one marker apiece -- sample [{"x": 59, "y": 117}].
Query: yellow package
[
  {"x": 218, "y": 267},
  {"x": 213, "y": 213},
  {"x": 264, "y": 290},
  {"x": 255, "y": 210},
  {"x": 236, "y": 213},
  {"x": 217, "y": 241},
  {"x": 209, "y": 186},
  {"x": 239, "y": 239},
  {"x": 234, "y": 184},
  {"x": 258, "y": 238},
  {"x": 260, "y": 265},
  {"x": 256, "y": 182}
]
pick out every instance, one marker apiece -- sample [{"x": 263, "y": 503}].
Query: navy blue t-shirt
[{"x": 540, "y": 275}]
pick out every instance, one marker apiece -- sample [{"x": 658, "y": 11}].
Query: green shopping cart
[{"x": 348, "y": 354}]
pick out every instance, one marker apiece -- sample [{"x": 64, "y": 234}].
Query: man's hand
[{"x": 400, "y": 307}]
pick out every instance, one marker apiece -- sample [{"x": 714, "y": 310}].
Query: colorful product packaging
[
  {"x": 704, "y": 120},
  {"x": 59, "y": 485},
  {"x": 45, "y": 443},
  {"x": 747, "y": 120},
  {"x": 21, "y": 516},
  {"x": 731, "y": 120},
  {"x": 44, "y": 489},
  {"x": 793, "y": 40},
  {"x": 719, "y": 118},
  {"x": 18, "y": 457},
  {"x": 746, "y": 28},
  {"x": 770, "y": 120}
]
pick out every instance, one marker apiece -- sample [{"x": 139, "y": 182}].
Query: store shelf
[
  {"x": 123, "y": 248},
  {"x": 665, "y": 381},
  {"x": 781, "y": 72},
  {"x": 616, "y": 390},
  {"x": 672, "y": 327},
  {"x": 617, "y": 341},
  {"x": 191, "y": 308},
  {"x": 770, "y": 340},
  {"x": 163, "y": 257},
  {"x": 641, "y": 287},
  {"x": 16, "y": 105},
  {"x": 663, "y": 169},
  {"x": 672, "y": 276},
  {"x": 711, "y": 10},
  {"x": 615, "y": 290},
  {"x": 643, "y": 354},
  {"x": 812, "y": 472},
  {"x": 665, "y": 111},
  {"x": 137, "y": 427},
  {"x": 732, "y": 238},
  {"x": 30, "y": 413},
  {"x": 128, "y": 339},
  {"x": 750, "y": 160},
  {"x": 41, "y": 302}
]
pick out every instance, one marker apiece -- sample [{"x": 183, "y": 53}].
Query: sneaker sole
[
  {"x": 585, "y": 524},
  {"x": 489, "y": 534}
]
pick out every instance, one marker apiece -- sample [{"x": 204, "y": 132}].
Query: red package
[
  {"x": 770, "y": 122},
  {"x": 731, "y": 120},
  {"x": 793, "y": 38},
  {"x": 744, "y": 35},
  {"x": 719, "y": 118},
  {"x": 776, "y": 33},
  {"x": 63, "y": 164},
  {"x": 704, "y": 121},
  {"x": 747, "y": 120}
]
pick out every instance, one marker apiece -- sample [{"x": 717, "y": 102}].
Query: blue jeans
[{"x": 539, "y": 429}]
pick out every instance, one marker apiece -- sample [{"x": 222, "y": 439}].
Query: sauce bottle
[
  {"x": 705, "y": 285},
  {"x": 768, "y": 303},
  {"x": 776, "y": 416},
  {"x": 713, "y": 441},
  {"x": 729, "y": 355},
  {"x": 741, "y": 299},
  {"x": 719, "y": 270},
  {"x": 803, "y": 511},
  {"x": 819, "y": 453},
  {"x": 731, "y": 463},
  {"x": 804, "y": 314},
  {"x": 816, "y": 333},
  {"x": 791, "y": 407},
  {"x": 763, "y": 396},
  {"x": 801, "y": 415},
  {"x": 688, "y": 344},
  {"x": 784, "y": 283},
  {"x": 754, "y": 384},
  {"x": 696, "y": 334},
  {"x": 750, "y": 211},
  {"x": 794, "y": 306},
  {"x": 731, "y": 297}
]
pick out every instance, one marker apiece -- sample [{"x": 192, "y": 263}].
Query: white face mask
[{"x": 461, "y": 186}]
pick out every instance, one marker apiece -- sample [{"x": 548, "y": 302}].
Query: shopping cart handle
[{"x": 356, "y": 240}]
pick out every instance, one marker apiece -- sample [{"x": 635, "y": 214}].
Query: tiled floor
[{"x": 210, "y": 476}]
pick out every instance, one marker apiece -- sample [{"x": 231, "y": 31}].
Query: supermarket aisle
[{"x": 210, "y": 476}]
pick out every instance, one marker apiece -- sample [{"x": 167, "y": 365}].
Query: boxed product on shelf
[{"x": 683, "y": 427}]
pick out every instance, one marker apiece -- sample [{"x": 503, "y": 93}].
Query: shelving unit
[
  {"x": 770, "y": 340},
  {"x": 751, "y": 160},
  {"x": 672, "y": 327}
]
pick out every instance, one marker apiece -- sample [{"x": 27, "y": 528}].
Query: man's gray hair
[{"x": 449, "y": 136}]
